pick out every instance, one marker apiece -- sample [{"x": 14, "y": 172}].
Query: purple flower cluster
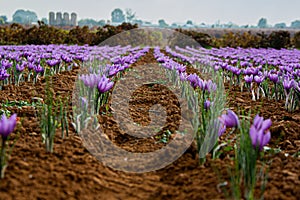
[
  {"x": 101, "y": 81},
  {"x": 194, "y": 79},
  {"x": 37, "y": 57},
  {"x": 274, "y": 67}
]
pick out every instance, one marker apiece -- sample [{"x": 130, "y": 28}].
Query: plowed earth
[{"x": 71, "y": 172}]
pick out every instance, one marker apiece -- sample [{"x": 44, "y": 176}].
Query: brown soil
[{"x": 71, "y": 172}]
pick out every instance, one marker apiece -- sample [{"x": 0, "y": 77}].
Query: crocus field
[{"x": 246, "y": 103}]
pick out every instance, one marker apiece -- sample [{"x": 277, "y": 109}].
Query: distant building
[
  {"x": 66, "y": 20},
  {"x": 62, "y": 20},
  {"x": 51, "y": 18},
  {"x": 73, "y": 19},
  {"x": 59, "y": 19}
]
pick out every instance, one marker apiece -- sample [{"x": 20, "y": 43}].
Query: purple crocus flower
[
  {"x": 244, "y": 64},
  {"x": 260, "y": 123},
  {"x": 217, "y": 67},
  {"x": 105, "y": 84},
  {"x": 181, "y": 68},
  {"x": 248, "y": 79},
  {"x": 259, "y": 132},
  {"x": 273, "y": 78},
  {"x": 52, "y": 62},
  {"x": 30, "y": 59},
  {"x": 230, "y": 119},
  {"x": 66, "y": 58},
  {"x": 183, "y": 76},
  {"x": 7, "y": 125},
  {"x": 38, "y": 68},
  {"x": 259, "y": 79},
  {"x": 90, "y": 80},
  {"x": 195, "y": 81},
  {"x": 288, "y": 84},
  {"x": 224, "y": 65},
  {"x": 3, "y": 74},
  {"x": 112, "y": 70},
  {"x": 30, "y": 66},
  {"x": 161, "y": 59},
  {"x": 235, "y": 70},
  {"x": 20, "y": 67},
  {"x": 6, "y": 64}
]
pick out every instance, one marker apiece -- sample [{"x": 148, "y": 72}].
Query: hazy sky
[{"x": 208, "y": 11}]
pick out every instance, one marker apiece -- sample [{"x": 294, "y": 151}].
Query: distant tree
[
  {"x": 1, "y": 21},
  {"x": 174, "y": 25},
  {"x": 45, "y": 20},
  {"x": 297, "y": 40},
  {"x": 137, "y": 21},
  {"x": 162, "y": 23},
  {"x": 262, "y": 23},
  {"x": 24, "y": 17},
  {"x": 87, "y": 22},
  {"x": 229, "y": 25},
  {"x": 203, "y": 24},
  {"x": 295, "y": 24},
  {"x": 101, "y": 22},
  {"x": 18, "y": 19},
  {"x": 280, "y": 25},
  {"x": 279, "y": 39},
  {"x": 4, "y": 18},
  {"x": 189, "y": 22},
  {"x": 245, "y": 26},
  {"x": 130, "y": 15},
  {"x": 117, "y": 16}
]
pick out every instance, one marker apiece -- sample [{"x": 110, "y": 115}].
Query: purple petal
[
  {"x": 266, "y": 124},
  {"x": 257, "y": 122},
  {"x": 253, "y": 135},
  {"x": 265, "y": 139},
  {"x": 231, "y": 119},
  {"x": 109, "y": 86}
]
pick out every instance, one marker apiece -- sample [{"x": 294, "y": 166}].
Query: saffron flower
[
  {"x": 38, "y": 69},
  {"x": 259, "y": 79},
  {"x": 181, "y": 68},
  {"x": 259, "y": 132},
  {"x": 248, "y": 78},
  {"x": 6, "y": 64},
  {"x": 195, "y": 81},
  {"x": 105, "y": 84},
  {"x": 3, "y": 74},
  {"x": 230, "y": 119},
  {"x": 183, "y": 76},
  {"x": 287, "y": 84},
  {"x": 20, "y": 67},
  {"x": 273, "y": 78},
  {"x": 7, "y": 125},
  {"x": 90, "y": 80}
]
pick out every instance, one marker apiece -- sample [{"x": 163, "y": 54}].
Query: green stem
[
  {"x": 97, "y": 102},
  {"x": 2, "y": 158}
]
